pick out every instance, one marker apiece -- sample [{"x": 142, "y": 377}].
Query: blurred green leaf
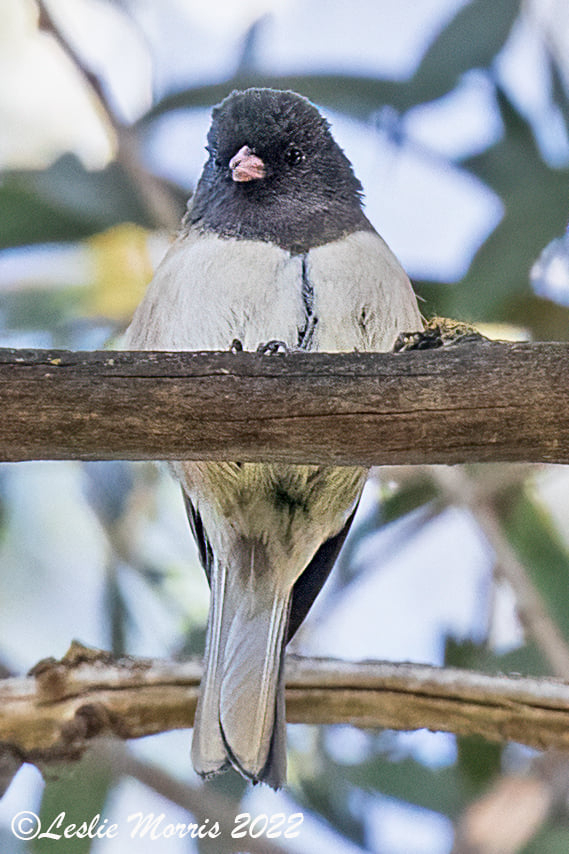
[
  {"x": 406, "y": 498},
  {"x": 193, "y": 642},
  {"x": 465, "y": 653},
  {"x": 548, "y": 840},
  {"x": 541, "y": 550},
  {"x": 231, "y": 787},
  {"x": 547, "y": 320},
  {"x": 66, "y": 202},
  {"x": 27, "y": 218},
  {"x": 479, "y": 760},
  {"x": 559, "y": 94},
  {"x": 35, "y": 308},
  {"x": 355, "y": 96},
  {"x": 472, "y": 39},
  {"x": 527, "y": 660},
  {"x": 443, "y": 790},
  {"x": 536, "y": 200},
  {"x": 116, "y": 610},
  {"x": 80, "y": 791},
  {"x": 328, "y": 795}
]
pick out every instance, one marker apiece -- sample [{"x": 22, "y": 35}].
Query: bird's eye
[{"x": 294, "y": 155}]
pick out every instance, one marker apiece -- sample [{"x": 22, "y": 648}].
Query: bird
[{"x": 274, "y": 246}]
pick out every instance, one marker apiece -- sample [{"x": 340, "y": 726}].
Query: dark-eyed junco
[{"x": 275, "y": 246}]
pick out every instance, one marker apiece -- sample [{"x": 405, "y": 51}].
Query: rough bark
[
  {"x": 62, "y": 705},
  {"x": 468, "y": 403}
]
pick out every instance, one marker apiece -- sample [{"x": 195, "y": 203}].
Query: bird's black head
[{"x": 275, "y": 173}]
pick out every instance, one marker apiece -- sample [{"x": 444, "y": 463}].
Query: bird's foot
[
  {"x": 271, "y": 348},
  {"x": 438, "y": 332},
  {"x": 236, "y": 346}
]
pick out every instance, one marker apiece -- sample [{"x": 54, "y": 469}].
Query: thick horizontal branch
[
  {"x": 470, "y": 402},
  {"x": 55, "y": 712}
]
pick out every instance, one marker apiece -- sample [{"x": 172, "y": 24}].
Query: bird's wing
[
  {"x": 200, "y": 536},
  {"x": 312, "y": 580}
]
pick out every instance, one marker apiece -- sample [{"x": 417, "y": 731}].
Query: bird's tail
[{"x": 240, "y": 718}]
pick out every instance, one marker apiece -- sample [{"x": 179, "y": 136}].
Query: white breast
[
  {"x": 362, "y": 296},
  {"x": 210, "y": 290}
]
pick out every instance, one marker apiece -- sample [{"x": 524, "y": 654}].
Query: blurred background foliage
[{"x": 455, "y": 115}]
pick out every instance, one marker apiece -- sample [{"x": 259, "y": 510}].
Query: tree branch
[
  {"x": 55, "y": 712},
  {"x": 456, "y": 404},
  {"x": 530, "y": 605},
  {"x": 162, "y": 207},
  {"x": 47, "y": 23}
]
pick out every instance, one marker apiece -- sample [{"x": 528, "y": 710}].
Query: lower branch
[{"x": 56, "y": 711}]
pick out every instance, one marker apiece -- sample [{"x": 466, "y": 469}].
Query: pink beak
[{"x": 246, "y": 166}]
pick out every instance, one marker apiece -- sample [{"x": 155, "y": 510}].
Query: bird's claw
[
  {"x": 236, "y": 346},
  {"x": 425, "y": 340},
  {"x": 273, "y": 347},
  {"x": 438, "y": 332}
]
